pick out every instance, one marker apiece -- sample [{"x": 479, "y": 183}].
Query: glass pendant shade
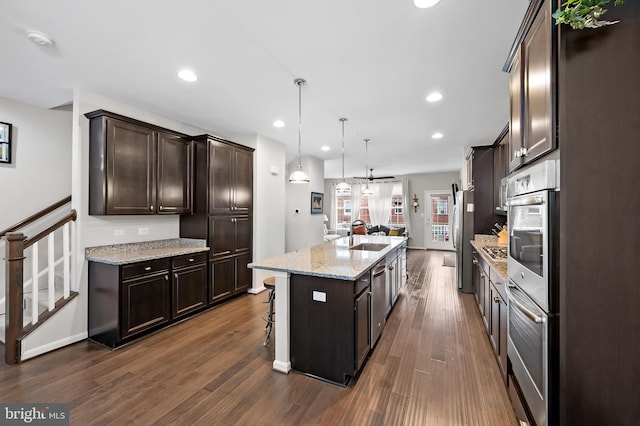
[
  {"x": 343, "y": 186},
  {"x": 299, "y": 176},
  {"x": 366, "y": 191}
]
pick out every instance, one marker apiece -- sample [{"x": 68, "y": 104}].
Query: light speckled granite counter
[
  {"x": 121, "y": 254},
  {"x": 332, "y": 259},
  {"x": 500, "y": 265}
]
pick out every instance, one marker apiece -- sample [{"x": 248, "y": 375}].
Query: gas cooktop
[{"x": 497, "y": 253}]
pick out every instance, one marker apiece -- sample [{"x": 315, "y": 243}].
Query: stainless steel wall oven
[{"x": 533, "y": 287}]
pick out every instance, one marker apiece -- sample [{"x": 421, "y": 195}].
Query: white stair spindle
[
  {"x": 51, "y": 266},
  {"x": 66, "y": 230},
  {"x": 34, "y": 284}
]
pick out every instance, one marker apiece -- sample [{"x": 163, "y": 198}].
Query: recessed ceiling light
[
  {"x": 278, "y": 123},
  {"x": 39, "y": 38},
  {"x": 187, "y": 75},
  {"x": 325, "y": 148},
  {"x": 437, "y": 135},
  {"x": 434, "y": 97},
  {"x": 423, "y": 4}
]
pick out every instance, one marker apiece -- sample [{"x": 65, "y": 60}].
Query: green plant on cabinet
[{"x": 580, "y": 14}]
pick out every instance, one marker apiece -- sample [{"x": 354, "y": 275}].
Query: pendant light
[
  {"x": 366, "y": 191},
  {"x": 299, "y": 176},
  {"x": 343, "y": 186}
]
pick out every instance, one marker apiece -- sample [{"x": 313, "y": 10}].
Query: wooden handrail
[
  {"x": 37, "y": 216},
  {"x": 59, "y": 224}
]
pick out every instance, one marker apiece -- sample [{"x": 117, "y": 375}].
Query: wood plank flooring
[{"x": 433, "y": 365}]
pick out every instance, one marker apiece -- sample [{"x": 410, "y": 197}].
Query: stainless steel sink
[{"x": 369, "y": 246}]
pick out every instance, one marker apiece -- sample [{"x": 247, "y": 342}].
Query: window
[
  {"x": 344, "y": 209},
  {"x": 442, "y": 207},
  {"x": 397, "y": 211}
]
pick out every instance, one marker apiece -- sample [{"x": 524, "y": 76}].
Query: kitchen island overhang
[{"x": 338, "y": 259}]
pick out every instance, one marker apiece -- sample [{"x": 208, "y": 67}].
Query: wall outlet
[
  {"x": 143, "y": 231},
  {"x": 118, "y": 232}
]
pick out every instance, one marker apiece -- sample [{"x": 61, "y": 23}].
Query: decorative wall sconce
[{"x": 415, "y": 203}]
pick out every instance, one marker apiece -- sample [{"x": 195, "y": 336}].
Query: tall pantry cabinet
[{"x": 223, "y": 213}]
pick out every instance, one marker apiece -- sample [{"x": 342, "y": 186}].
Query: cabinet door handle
[
  {"x": 524, "y": 152},
  {"x": 475, "y": 262},
  {"x": 151, "y": 208},
  {"x": 175, "y": 277},
  {"x": 496, "y": 299},
  {"x": 160, "y": 208},
  {"x": 482, "y": 275},
  {"x": 148, "y": 268},
  {"x": 191, "y": 259},
  {"x": 166, "y": 277}
]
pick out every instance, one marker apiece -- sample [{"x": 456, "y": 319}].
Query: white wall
[
  {"x": 40, "y": 170},
  {"x": 302, "y": 228},
  {"x": 268, "y": 203},
  {"x": 418, "y": 183}
]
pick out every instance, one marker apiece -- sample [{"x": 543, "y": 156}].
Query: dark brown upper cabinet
[
  {"x": 231, "y": 178},
  {"x": 174, "y": 174},
  {"x": 532, "y": 76},
  {"x": 500, "y": 170},
  {"x": 137, "y": 168}
]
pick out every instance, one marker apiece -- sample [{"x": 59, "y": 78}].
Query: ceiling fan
[{"x": 370, "y": 177}]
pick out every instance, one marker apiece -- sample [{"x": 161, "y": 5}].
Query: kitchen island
[{"x": 324, "y": 290}]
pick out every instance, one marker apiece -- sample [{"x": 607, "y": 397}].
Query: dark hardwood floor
[{"x": 433, "y": 365}]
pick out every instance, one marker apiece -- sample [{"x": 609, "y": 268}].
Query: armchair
[{"x": 330, "y": 234}]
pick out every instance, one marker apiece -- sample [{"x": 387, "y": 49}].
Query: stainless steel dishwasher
[{"x": 378, "y": 300}]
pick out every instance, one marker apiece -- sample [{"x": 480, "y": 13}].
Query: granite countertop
[
  {"x": 121, "y": 254},
  {"x": 500, "y": 266},
  {"x": 332, "y": 259}
]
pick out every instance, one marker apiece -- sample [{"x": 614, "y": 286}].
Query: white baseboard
[
  {"x": 283, "y": 367},
  {"x": 256, "y": 290},
  {"x": 53, "y": 345}
]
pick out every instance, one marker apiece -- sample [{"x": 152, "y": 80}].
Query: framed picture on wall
[
  {"x": 5, "y": 142},
  {"x": 317, "y": 202}
]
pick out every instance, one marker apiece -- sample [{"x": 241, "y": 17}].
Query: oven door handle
[
  {"x": 526, "y": 201},
  {"x": 529, "y": 314}
]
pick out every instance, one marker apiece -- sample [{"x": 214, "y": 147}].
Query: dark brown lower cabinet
[
  {"x": 129, "y": 301},
  {"x": 498, "y": 330},
  {"x": 330, "y": 328},
  {"x": 189, "y": 289},
  {"x": 491, "y": 298},
  {"x": 229, "y": 276},
  {"x": 221, "y": 283},
  {"x": 145, "y": 303}
]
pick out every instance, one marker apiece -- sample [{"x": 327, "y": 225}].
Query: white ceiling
[{"x": 373, "y": 62}]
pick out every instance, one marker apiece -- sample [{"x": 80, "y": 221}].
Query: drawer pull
[
  {"x": 191, "y": 259},
  {"x": 148, "y": 268}
]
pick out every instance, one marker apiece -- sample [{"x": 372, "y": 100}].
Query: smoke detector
[{"x": 41, "y": 39}]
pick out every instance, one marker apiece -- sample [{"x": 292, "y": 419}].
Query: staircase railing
[{"x": 16, "y": 244}]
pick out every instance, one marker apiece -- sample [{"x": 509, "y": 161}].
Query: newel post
[{"x": 14, "y": 257}]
